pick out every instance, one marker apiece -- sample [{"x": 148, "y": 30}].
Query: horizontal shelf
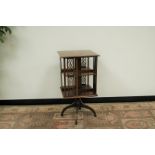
[
  {"x": 70, "y": 91},
  {"x": 83, "y": 71},
  {"x": 73, "y": 95},
  {"x": 83, "y": 87},
  {"x": 63, "y": 88},
  {"x": 83, "y": 74}
]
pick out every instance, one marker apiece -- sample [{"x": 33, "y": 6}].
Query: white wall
[{"x": 29, "y": 63}]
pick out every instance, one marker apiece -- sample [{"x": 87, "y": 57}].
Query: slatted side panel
[{"x": 78, "y": 76}]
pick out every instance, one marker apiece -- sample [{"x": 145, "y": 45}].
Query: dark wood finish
[
  {"x": 95, "y": 74},
  {"x": 76, "y": 69}
]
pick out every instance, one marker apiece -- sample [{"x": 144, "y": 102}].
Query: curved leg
[
  {"x": 70, "y": 106},
  {"x": 91, "y": 109}
]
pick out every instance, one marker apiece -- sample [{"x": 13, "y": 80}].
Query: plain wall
[{"x": 29, "y": 63}]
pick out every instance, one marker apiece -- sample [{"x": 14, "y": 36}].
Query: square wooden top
[{"x": 76, "y": 53}]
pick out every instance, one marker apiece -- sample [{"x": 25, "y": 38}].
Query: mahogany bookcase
[{"x": 78, "y": 71}]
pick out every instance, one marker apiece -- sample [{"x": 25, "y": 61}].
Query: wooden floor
[{"x": 131, "y": 115}]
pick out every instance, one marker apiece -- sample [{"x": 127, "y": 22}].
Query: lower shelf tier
[{"x": 70, "y": 91}]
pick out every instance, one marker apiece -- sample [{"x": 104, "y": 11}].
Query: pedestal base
[{"x": 78, "y": 104}]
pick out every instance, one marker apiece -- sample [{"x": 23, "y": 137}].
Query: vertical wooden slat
[
  {"x": 88, "y": 72},
  {"x": 68, "y": 76},
  {"x": 95, "y": 73},
  {"x": 79, "y": 74},
  {"x": 76, "y": 60},
  {"x": 60, "y": 71},
  {"x": 74, "y": 73},
  {"x": 64, "y": 61}
]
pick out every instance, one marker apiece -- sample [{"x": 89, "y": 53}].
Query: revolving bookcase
[{"x": 78, "y": 70}]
